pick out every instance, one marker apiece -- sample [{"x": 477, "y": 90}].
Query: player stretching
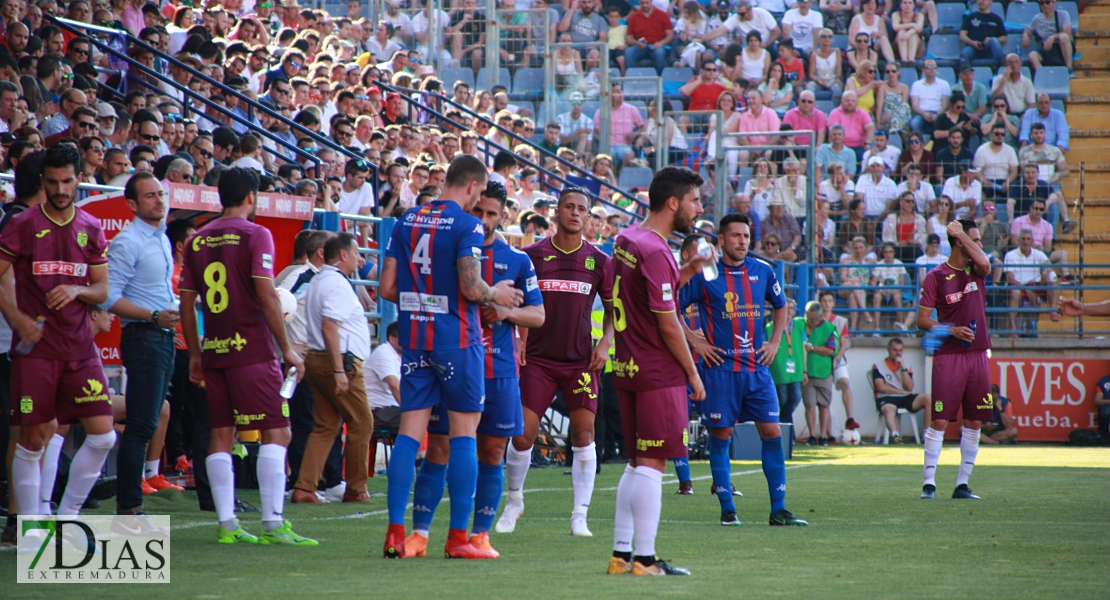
[
  {"x": 738, "y": 385},
  {"x": 961, "y": 373},
  {"x": 229, "y": 264},
  {"x": 558, "y": 356},
  {"x": 433, "y": 271},
  {"x": 502, "y": 416},
  {"x": 651, "y": 367},
  {"x": 60, "y": 257}
]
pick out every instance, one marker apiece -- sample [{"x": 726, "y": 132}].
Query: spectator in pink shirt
[
  {"x": 756, "y": 119},
  {"x": 805, "y": 116},
  {"x": 859, "y": 129},
  {"x": 624, "y": 123},
  {"x": 131, "y": 14}
]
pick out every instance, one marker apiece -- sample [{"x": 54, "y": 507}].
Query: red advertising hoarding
[{"x": 1050, "y": 397}]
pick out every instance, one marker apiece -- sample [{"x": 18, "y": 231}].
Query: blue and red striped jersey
[
  {"x": 501, "y": 261},
  {"x": 732, "y": 309},
  {"x": 428, "y": 240}
]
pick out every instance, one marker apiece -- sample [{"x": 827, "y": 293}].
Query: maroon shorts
[
  {"x": 541, "y": 377},
  {"x": 962, "y": 380},
  {"x": 247, "y": 397},
  {"x": 68, "y": 390},
  {"x": 654, "y": 422}
]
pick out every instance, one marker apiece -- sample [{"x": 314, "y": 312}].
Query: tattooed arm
[{"x": 475, "y": 289}]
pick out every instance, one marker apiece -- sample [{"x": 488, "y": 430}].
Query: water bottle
[
  {"x": 23, "y": 348},
  {"x": 709, "y": 269},
  {"x": 970, "y": 326},
  {"x": 289, "y": 384}
]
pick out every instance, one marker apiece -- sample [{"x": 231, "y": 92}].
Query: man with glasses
[
  {"x": 343, "y": 133},
  {"x": 1026, "y": 192},
  {"x": 71, "y": 100},
  {"x": 84, "y": 124},
  {"x": 1049, "y": 35},
  {"x": 928, "y": 98},
  {"x": 291, "y": 63},
  {"x": 802, "y": 25},
  {"x": 280, "y": 94},
  {"x": 806, "y": 117},
  {"x": 702, "y": 92},
  {"x": 997, "y": 162}
]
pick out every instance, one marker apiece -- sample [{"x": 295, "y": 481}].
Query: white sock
[
  {"x": 27, "y": 475},
  {"x": 85, "y": 470},
  {"x": 151, "y": 468},
  {"x": 622, "y": 523},
  {"x": 222, "y": 480},
  {"x": 582, "y": 473},
  {"x": 969, "y": 449},
  {"x": 271, "y": 483},
  {"x": 50, "y": 470},
  {"x": 933, "y": 441},
  {"x": 516, "y": 469},
  {"x": 647, "y": 503}
]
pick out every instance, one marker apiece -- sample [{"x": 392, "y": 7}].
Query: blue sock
[
  {"x": 462, "y": 479},
  {"x": 682, "y": 468},
  {"x": 721, "y": 468},
  {"x": 774, "y": 468},
  {"x": 427, "y": 494},
  {"x": 402, "y": 463},
  {"x": 491, "y": 482}
]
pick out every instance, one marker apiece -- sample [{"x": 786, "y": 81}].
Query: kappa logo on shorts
[
  {"x": 26, "y": 405},
  {"x": 939, "y": 406}
]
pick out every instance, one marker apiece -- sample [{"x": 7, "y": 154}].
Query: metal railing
[{"x": 387, "y": 311}]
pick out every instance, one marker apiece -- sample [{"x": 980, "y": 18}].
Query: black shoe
[
  {"x": 243, "y": 507},
  {"x": 103, "y": 489},
  {"x": 963, "y": 492},
  {"x": 736, "y": 492},
  {"x": 685, "y": 488},
  {"x": 784, "y": 518},
  {"x": 823, "y": 441},
  {"x": 812, "y": 441},
  {"x": 729, "y": 518},
  {"x": 928, "y": 491},
  {"x": 8, "y": 538},
  {"x": 90, "y": 504}
]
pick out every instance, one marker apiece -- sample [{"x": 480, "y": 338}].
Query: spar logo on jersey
[
  {"x": 969, "y": 288},
  {"x": 563, "y": 285},
  {"x": 59, "y": 267}
]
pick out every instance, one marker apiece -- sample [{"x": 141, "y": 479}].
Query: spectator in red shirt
[
  {"x": 702, "y": 92},
  {"x": 649, "y": 32}
]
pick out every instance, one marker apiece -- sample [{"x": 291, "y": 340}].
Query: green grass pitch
[{"x": 1042, "y": 531}]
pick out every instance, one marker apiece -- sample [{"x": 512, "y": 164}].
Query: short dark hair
[
  {"x": 1037, "y": 127},
  {"x": 28, "y": 182},
  {"x": 967, "y": 224},
  {"x": 895, "y": 340},
  {"x": 391, "y": 330},
  {"x": 338, "y": 243},
  {"x": 465, "y": 169},
  {"x": 316, "y": 241},
  {"x": 63, "y": 155},
  {"x": 235, "y": 185},
  {"x": 129, "y": 190},
  {"x": 854, "y": 204},
  {"x": 688, "y": 241},
  {"x": 356, "y": 164},
  {"x": 495, "y": 190},
  {"x": 826, "y": 293},
  {"x": 299, "y": 242},
  {"x": 178, "y": 230},
  {"x": 731, "y": 218},
  {"x": 573, "y": 189},
  {"x": 225, "y": 137},
  {"x": 671, "y": 182},
  {"x": 503, "y": 160}
]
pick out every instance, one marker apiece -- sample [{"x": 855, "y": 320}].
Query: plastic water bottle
[
  {"x": 290, "y": 384},
  {"x": 709, "y": 269},
  {"x": 23, "y": 348},
  {"x": 972, "y": 327}
]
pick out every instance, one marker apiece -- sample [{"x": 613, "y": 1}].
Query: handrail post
[
  {"x": 433, "y": 36},
  {"x": 387, "y": 309},
  {"x": 720, "y": 171},
  {"x": 605, "y": 110},
  {"x": 1081, "y": 201},
  {"x": 493, "y": 45},
  {"x": 801, "y": 275},
  {"x": 552, "y": 100}
]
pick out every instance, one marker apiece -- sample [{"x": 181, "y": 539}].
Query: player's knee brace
[{"x": 101, "y": 441}]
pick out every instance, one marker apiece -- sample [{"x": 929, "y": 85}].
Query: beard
[
  {"x": 61, "y": 202},
  {"x": 683, "y": 223}
]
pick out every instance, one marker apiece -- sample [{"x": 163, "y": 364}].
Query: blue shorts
[
  {"x": 503, "y": 415},
  {"x": 732, "y": 398},
  {"x": 449, "y": 378}
]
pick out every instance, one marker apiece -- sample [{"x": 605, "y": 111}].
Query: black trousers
[
  {"x": 608, "y": 434},
  {"x": 194, "y": 402}
]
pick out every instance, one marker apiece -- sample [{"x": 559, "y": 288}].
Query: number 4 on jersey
[{"x": 421, "y": 255}]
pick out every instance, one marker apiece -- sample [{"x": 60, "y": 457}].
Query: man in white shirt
[
  {"x": 928, "y": 98},
  {"x": 1027, "y": 266},
  {"x": 338, "y": 343},
  {"x": 885, "y": 151},
  {"x": 876, "y": 189},
  {"x": 747, "y": 18},
  {"x": 356, "y": 196},
  {"x": 383, "y": 381},
  {"x": 1017, "y": 88},
  {"x": 803, "y": 26},
  {"x": 923, "y": 193},
  {"x": 837, "y": 191},
  {"x": 964, "y": 190},
  {"x": 997, "y": 161}
]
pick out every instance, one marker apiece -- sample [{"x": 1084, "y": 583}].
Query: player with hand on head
[
  {"x": 433, "y": 271},
  {"x": 229, "y": 266},
  {"x": 737, "y": 380},
  {"x": 502, "y": 415},
  {"x": 961, "y": 373},
  {"x": 652, "y": 365},
  {"x": 59, "y": 256},
  {"x": 558, "y": 355}
]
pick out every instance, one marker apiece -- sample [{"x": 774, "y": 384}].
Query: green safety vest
[{"x": 787, "y": 366}]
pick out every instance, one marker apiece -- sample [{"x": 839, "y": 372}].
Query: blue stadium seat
[
  {"x": 640, "y": 72},
  {"x": 1013, "y": 45},
  {"x": 947, "y": 74},
  {"x": 640, "y": 88},
  {"x": 541, "y": 114},
  {"x": 1021, "y": 13},
  {"x": 1073, "y": 12},
  {"x": 824, "y": 106},
  {"x": 635, "y": 177},
  {"x": 528, "y": 84},
  {"x": 450, "y": 76},
  {"x": 950, "y": 14},
  {"x": 1058, "y": 105},
  {"x": 503, "y": 79},
  {"x": 984, "y": 75},
  {"x": 676, "y": 105},
  {"x": 945, "y": 49},
  {"x": 840, "y": 42},
  {"x": 998, "y": 9},
  {"x": 590, "y": 107},
  {"x": 682, "y": 74},
  {"x": 908, "y": 76},
  {"x": 1053, "y": 81}
]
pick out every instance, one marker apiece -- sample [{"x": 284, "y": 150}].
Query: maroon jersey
[
  {"x": 645, "y": 282},
  {"x": 569, "y": 282},
  {"x": 960, "y": 298},
  {"x": 47, "y": 254},
  {"x": 221, "y": 263}
]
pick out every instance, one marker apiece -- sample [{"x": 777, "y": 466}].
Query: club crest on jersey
[
  {"x": 590, "y": 263},
  {"x": 26, "y": 405},
  {"x": 500, "y": 267},
  {"x": 82, "y": 239},
  {"x": 753, "y": 278}
]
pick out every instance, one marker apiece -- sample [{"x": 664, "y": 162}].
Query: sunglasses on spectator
[
  {"x": 87, "y": 125},
  {"x": 67, "y": 75},
  {"x": 998, "y": 134},
  {"x": 204, "y": 153},
  {"x": 915, "y": 142},
  {"x": 881, "y": 132},
  {"x": 148, "y": 138},
  {"x": 84, "y": 51},
  {"x": 771, "y": 245},
  {"x": 97, "y": 149}
]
